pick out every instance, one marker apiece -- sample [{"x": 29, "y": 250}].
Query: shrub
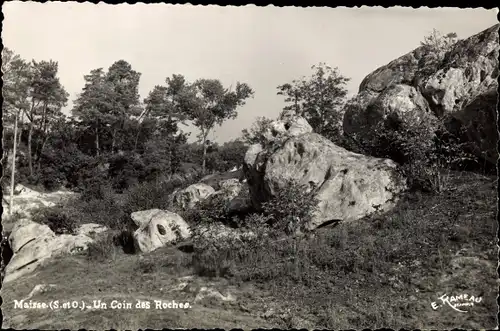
[
  {"x": 213, "y": 209},
  {"x": 57, "y": 219},
  {"x": 216, "y": 253},
  {"x": 156, "y": 194},
  {"x": 102, "y": 248},
  {"x": 421, "y": 150},
  {"x": 291, "y": 207},
  {"x": 439, "y": 43},
  {"x": 125, "y": 170},
  {"x": 258, "y": 133}
]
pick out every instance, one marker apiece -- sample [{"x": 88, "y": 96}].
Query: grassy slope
[{"x": 383, "y": 271}]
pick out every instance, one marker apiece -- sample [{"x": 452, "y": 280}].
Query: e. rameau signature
[{"x": 455, "y": 301}]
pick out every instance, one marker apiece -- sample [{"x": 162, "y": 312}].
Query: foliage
[
  {"x": 213, "y": 209},
  {"x": 436, "y": 46},
  {"x": 351, "y": 260},
  {"x": 222, "y": 158},
  {"x": 422, "y": 150},
  {"x": 156, "y": 194},
  {"x": 437, "y": 42},
  {"x": 291, "y": 207},
  {"x": 216, "y": 258},
  {"x": 107, "y": 101},
  {"x": 319, "y": 99},
  {"x": 206, "y": 103},
  {"x": 57, "y": 220},
  {"x": 102, "y": 248},
  {"x": 258, "y": 132}
]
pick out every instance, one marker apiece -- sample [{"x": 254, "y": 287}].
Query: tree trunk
[
  {"x": 39, "y": 159},
  {"x": 21, "y": 130},
  {"x": 97, "y": 148},
  {"x": 137, "y": 136},
  {"x": 113, "y": 141},
  {"x": 204, "y": 157},
  {"x": 30, "y": 159},
  {"x": 13, "y": 172},
  {"x": 43, "y": 129},
  {"x": 204, "y": 135}
]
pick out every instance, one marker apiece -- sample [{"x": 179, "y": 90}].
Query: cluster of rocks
[
  {"x": 26, "y": 200},
  {"x": 422, "y": 88},
  {"x": 32, "y": 244}
]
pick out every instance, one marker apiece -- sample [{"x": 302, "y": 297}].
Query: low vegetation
[{"x": 396, "y": 255}]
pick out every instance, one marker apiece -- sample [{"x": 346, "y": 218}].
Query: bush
[
  {"x": 215, "y": 258},
  {"x": 213, "y": 209},
  {"x": 103, "y": 248},
  {"x": 291, "y": 207},
  {"x": 438, "y": 43},
  {"x": 57, "y": 219},
  {"x": 421, "y": 150},
  {"x": 258, "y": 133},
  {"x": 125, "y": 170},
  {"x": 156, "y": 194}
]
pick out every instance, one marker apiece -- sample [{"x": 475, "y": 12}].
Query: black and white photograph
[{"x": 242, "y": 167}]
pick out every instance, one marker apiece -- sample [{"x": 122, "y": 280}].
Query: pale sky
[{"x": 262, "y": 46}]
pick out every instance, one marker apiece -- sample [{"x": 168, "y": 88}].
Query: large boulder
[
  {"x": 236, "y": 194},
  {"x": 401, "y": 103},
  {"x": 26, "y": 200},
  {"x": 158, "y": 228},
  {"x": 287, "y": 125},
  {"x": 477, "y": 119},
  {"x": 187, "y": 198},
  {"x": 348, "y": 186},
  {"x": 458, "y": 85},
  {"x": 33, "y": 244}
]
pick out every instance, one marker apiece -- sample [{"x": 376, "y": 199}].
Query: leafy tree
[
  {"x": 257, "y": 132},
  {"x": 47, "y": 89},
  {"x": 16, "y": 89},
  {"x": 207, "y": 103},
  {"x": 437, "y": 42},
  {"x": 162, "y": 105},
  {"x": 319, "y": 99},
  {"x": 221, "y": 158},
  {"x": 46, "y": 98},
  {"x": 95, "y": 104},
  {"x": 107, "y": 101},
  {"x": 125, "y": 84}
]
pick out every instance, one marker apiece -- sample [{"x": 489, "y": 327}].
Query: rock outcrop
[
  {"x": 158, "y": 228},
  {"x": 287, "y": 125},
  {"x": 188, "y": 197},
  {"x": 213, "y": 180},
  {"x": 348, "y": 186},
  {"x": 457, "y": 86},
  {"x": 26, "y": 200},
  {"x": 33, "y": 244}
]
